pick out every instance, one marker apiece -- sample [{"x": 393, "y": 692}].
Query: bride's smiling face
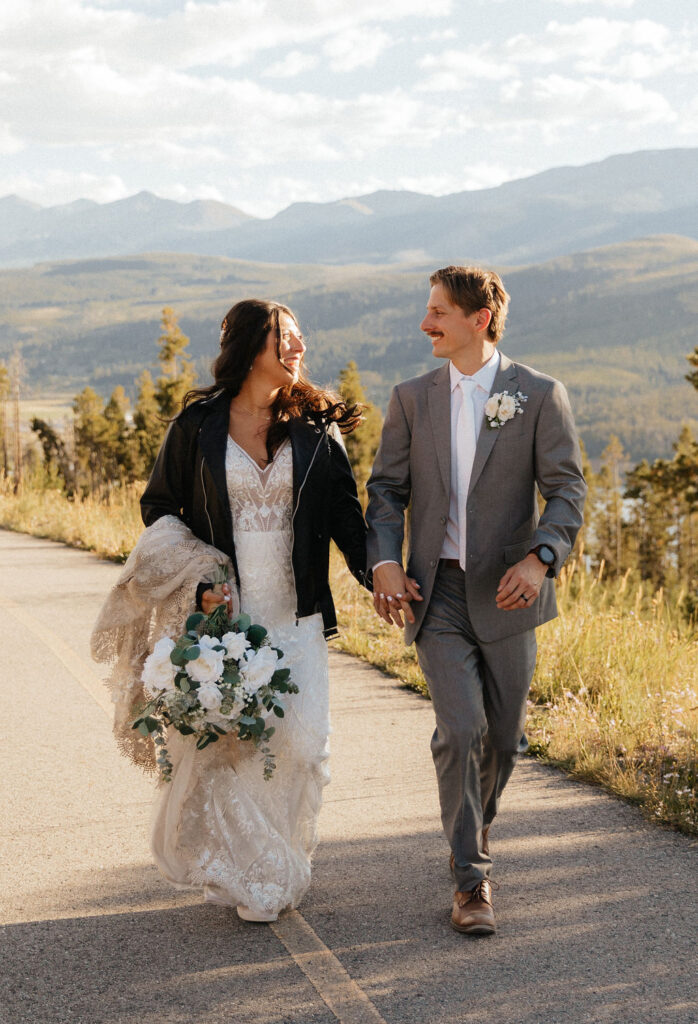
[{"x": 281, "y": 358}]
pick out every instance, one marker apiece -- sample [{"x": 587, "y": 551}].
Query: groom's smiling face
[{"x": 453, "y": 332}]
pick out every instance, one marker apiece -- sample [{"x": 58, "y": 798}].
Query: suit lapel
[
  {"x": 439, "y": 398},
  {"x": 506, "y": 374}
]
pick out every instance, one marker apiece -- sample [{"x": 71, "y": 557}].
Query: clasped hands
[{"x": 394, "y": 591}]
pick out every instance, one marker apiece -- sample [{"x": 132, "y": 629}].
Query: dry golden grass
[
  {"x": 614, "y": 696},
  {"x": 110, "y": 528}
]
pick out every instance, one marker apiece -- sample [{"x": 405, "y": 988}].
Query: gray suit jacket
[{"x": 413, "y": 466}]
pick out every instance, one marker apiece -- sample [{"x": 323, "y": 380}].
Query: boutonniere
[{"x": 502, "y": 407}]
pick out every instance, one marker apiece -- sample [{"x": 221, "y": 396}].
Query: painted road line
[
  {"x": 80, "y": 670},
  {"x": 334, "y": 985}
]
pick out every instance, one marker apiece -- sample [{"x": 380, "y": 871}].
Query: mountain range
[
  {"x": 614, "y": 323},
  {"x": 557, "y": 212}
]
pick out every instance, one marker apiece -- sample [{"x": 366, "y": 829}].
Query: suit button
[
  {"x": 443, "y": 519},
  {"x": 432, "y": 563}
]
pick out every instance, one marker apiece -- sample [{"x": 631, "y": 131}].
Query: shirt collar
[{"x": 484, "y": 377}]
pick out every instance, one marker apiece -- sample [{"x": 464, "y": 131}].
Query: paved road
[{"x": 597, "y": 910}]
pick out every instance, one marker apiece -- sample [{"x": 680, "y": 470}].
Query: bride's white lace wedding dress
[{"x": 219, "y": 825}]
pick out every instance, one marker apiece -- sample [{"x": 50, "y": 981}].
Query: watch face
[{"x": 546, "y": 555}]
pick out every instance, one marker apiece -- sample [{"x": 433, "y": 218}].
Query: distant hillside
[
  {"x": 555, "y": 213},
  {"x": 615, "y": 324}
]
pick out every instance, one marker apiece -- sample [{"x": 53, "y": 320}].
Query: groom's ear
[{"x": 483, "y": 319}]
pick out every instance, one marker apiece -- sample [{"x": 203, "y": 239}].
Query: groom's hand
[
  {"x": 520, "y": 586},
  {"x": 393, "y": 592}
]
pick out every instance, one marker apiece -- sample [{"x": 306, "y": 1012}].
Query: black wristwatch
[{"x": 544, "y": 554}]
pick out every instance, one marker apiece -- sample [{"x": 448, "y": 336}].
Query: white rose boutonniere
[{"x": 502, "y": 407}]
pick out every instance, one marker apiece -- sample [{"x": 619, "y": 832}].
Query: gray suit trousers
[{"x": 479, "y": 695}]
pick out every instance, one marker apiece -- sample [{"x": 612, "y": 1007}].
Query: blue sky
[{"x": 261, "y": 103}]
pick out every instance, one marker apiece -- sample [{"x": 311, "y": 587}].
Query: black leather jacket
[{"x": 188, "y": 480}]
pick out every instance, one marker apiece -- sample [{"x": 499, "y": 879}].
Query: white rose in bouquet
[
  {"x": 158, "y": 670},
  {"x": 507, "y": 408},
  {"x": 235, "y": 645},
  {"x": 210, "y": 697},
  {"x": 208, "y": 667},
  {"x": 257, "y": 668}
]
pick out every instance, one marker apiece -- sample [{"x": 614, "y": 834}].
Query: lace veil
[{"x": 151, "y": 599}]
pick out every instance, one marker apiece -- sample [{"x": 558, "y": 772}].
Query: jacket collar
[
  {"x": 305, "y": 437},
  {"x": 213, "y": 440}
]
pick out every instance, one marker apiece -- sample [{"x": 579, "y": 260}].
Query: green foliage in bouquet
[{"x": 218, "y": 678}]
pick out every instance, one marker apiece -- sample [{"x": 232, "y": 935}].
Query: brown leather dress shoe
[
  {"x": 472, "y": 911},
  {"x": 485, "y": 849}
]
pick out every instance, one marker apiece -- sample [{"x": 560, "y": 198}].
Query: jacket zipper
[
  {"x": 293, "y": 518},
  {"x": 203, "y": 488}
]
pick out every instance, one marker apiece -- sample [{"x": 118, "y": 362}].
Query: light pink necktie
[{"x": 465, "y": 456}]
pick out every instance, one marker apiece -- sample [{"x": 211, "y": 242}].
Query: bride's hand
[{"x": 210, "y": 599}]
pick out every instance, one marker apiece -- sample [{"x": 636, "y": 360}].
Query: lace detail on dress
[
  {"x": 219, "y": 825},
  {"x": 260, "y": 499}
]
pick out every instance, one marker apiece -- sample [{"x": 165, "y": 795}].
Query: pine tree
[
  {"x": 55, "y": 456},
  {"x": 118, "y": 454},
  {"x": 90, "y": 428},
  {"x": 608, "y": 509},
  {"x": 178, "y": 375},
  {"x": 362, "y": 443},
  {"x": 149, "y": 427}
]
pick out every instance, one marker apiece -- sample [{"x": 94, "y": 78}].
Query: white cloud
[
  {"x": 356, "y": 48},
  {"x": 9, "y": 143},
  {"x": 596, "y": 101},
  {"x": 455, "y": 70},
  {"x": 226, "y": 32},
  {"x": 621, "y": 49},
  {"x": 294, "y": 63},
  {"x": 55, "y": 187},
  {"x": 627, "y": 4}
]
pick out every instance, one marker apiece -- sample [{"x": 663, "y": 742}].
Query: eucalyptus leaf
[
  {"x": 256, "y": 634},
  {"x": 194, "y": 620},
  {"x": 192, "y": 653}
]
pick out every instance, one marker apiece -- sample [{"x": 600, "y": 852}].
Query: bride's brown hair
[{"x": 244, "y": 333}]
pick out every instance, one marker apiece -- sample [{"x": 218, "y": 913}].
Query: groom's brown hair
[{"x": 473, "y": 288}]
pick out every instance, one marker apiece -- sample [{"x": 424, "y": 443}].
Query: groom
[{"x": 466, "y": 445}]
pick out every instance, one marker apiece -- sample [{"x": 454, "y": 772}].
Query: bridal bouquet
[{"x": 221, "y": 676}]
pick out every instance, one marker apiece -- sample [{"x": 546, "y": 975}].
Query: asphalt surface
[{"x": 596, "y": 908}]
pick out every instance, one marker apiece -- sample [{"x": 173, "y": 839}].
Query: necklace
[{"x": 249, "y": 412}]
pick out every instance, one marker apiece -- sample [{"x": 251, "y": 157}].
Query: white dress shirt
[{"x": 483, "y": 381}]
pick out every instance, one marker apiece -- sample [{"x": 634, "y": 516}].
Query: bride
[{"x": 251, "y": 474}]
